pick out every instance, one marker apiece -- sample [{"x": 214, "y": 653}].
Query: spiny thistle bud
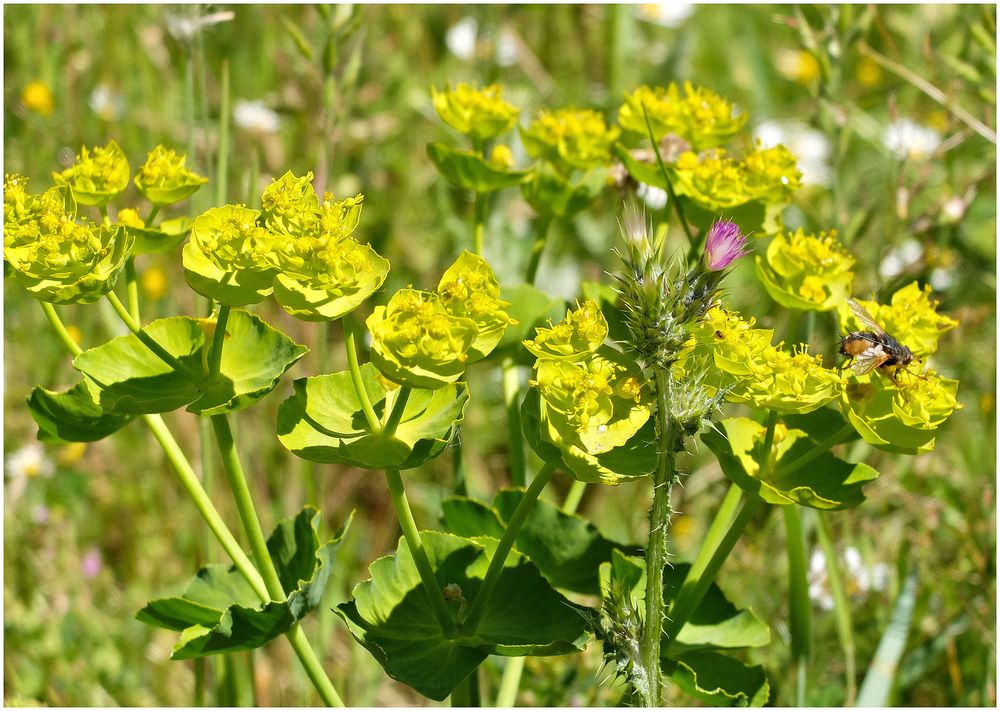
[{"x": 620, "y": 629}]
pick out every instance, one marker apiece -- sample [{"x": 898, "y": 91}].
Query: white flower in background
[
  {"x": 908, "y": 139},
  {"x": 655, "y": 198},
  {"x": 941, "y": 278},
  {"x": 29, "y": 462},
  {"x": 507, "y": 48},
  {"x": 953, "y": 210},
  {"x": 184, "y": 28},
  {"x": 254, "y": 116},
  {"x": 900, "y": 258},
  {"x": 810, "y": 147},
  {"x": 859, "y": 579},
  {"x": 666, "y": 14},
  {"x": 107, "y": 102},
  {"x": 461, "y": 38}
]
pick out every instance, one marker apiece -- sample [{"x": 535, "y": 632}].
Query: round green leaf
[
  {"x": 719, "y": 680},
  {"x": 468, "y": 170},
  {"x": 323, "y": 421},
  {"x": 162, "y": 238},
  {"x": 74, "y": 415},
  {"x": 392, "y": 617}
]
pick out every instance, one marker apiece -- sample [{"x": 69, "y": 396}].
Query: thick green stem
[
  {"x": 656, "y": 549},
  {"x": 218, "y": 340},
  {"x": 574, "y": 496},
  {"x": 416, "y": 546},
  {"x": 396, "y": 414},
  {"x": 244, "y": 505},
  {"x": 479, "y": 227},
  {"x": 258, "y": 545},
  {"x": 509, "y": 682},
  {"x": 478, "y": 606},
  {"x": 60, "y": 329},
  {"x": 132, "y": 286},
  {"x": 800, "y": 609},
  {"x": 153, "y": 212},
  {"x": 204, "y": 504},
  {"x": 350, "y": 344},
  {"x": 680, "y": 613},
  {"x": 538, "y": 247},
  {"x": 515, "y": 439},
  {"x": 466, "y": 694},
  {"x": 147, "y": 340},
  {"x": 841, "y": 603}
]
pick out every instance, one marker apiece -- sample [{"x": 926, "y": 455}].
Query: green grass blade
[{"x": 881, "y": 676}]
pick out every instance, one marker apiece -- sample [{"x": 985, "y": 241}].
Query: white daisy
[
  {"x": 255, "y": 117},
  {"x": 908, "y": 139},
  {"x": 27, "y": 463}
]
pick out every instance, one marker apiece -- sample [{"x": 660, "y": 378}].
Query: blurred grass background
[{"x": 349, "y": 89}]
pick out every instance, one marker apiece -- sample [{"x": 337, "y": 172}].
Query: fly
[{"x": 874, "y": 348}]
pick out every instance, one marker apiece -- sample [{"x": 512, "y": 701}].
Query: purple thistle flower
[{"x": 725, "y": 244}]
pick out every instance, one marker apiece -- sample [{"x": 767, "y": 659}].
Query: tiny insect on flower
[{"x": 724, "y": 245}]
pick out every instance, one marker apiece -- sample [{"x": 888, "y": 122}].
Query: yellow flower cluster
[
  {"x": 98, "y": 176},
  {"x": 481, "y": 114},
  {"x": 699, "y": 116},
  {"x": 716, "y": 182},
  {"x": 574, "y": 138},
  {"x": 807, "y": 271}
]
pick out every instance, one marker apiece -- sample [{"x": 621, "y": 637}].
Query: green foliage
[
  {"x": 323, "y": 421},
  {"x": 219, "y": 612},
  {"x": 393, "y": 618}
]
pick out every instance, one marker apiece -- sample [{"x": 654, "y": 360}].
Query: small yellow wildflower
[
  {"x": 154, "y": 282},
  {"x": 481, "y": 114},
  {"x": 911, "y": 317},
  {"x": 574, "y": 338},
  {"x": 700, "y": 116},
  {"x": 869, "y": 72},
  {"x": 98, "y": 176},
  {"x": 574, "y": 138},
  {"x": 37, "y": 97},
  {"x": 807, "y": 271},
  {"x": 165, "y": 179}
]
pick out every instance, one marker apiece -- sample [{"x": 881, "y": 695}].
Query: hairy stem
[
  {"x": 656, "y": 549},
  {"x": 478, "y": 606}
]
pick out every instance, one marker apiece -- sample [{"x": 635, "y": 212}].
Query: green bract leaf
[
  {"x": 392, "y": 616},
  {"x": 134, "y": 381},
  {"x": 567, "y": 548},
  {"x": 469, "y": 289},
  {"x": 552, "y": 194},
  {"x": 165, "y": 179},
  {"x": 219, "y": 612},
  {"x": 575, "y": 338},
  {"x": 163, "y": 238},
  {"x": 825, "y": 483},
  {"x": 470, "y": 171},
  {"x": 323, "y": 421},
  {"x": 73, "y": 416},
  {"x": 96, "y": 178},
  {"x": 225, "y": 259},
  {"x": 720, "y": 680},
  {"x": 636, "y": 458}
]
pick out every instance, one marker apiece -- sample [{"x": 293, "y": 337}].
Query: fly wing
[
  {"x": 869, "y": 360},
  {"x": 864, "y": 317}
]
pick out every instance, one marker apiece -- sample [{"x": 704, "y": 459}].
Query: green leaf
[
  {"x": 567, "y": 548},
  {"x": 235, "y": 288},
  {"x": 134, "y": 381},
  {"x": 648, "y": 173},
  {"x": 468, "y": 170},
  {"x": 219, "y": 611},
  {"x": 820, "y": 424},
  {"x": 749, "y": 216},
  {"x": 323, "y": 421},
  {"x": 162, "y": 238},
  {"x": 716, "y": 623},
  {"x": 825, "y": 483},
  {"x": 73, "y": 416},
  {"x": 392, "y": 617},
  {"x": 720, "y": 680}
]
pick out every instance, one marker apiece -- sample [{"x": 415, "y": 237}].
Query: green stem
[
  {"x": 396, "y": 414},
  {"x": 154, "y": 211},
  {"x": 515, "y": 439},
  {"x": 716, "y": 532},
  {"x": 199, "y": 682},
  {"x": 147, "y": 340},
  {"x": 245, "y": 506},
  {"x": 105, "y": 218},
  {"x": 478, "y": 228},
  {"x": 350, "y": 344},
  {"x": 258, "y": 545},
  {"x": 466, "y": 694},
  {"x": 841, "y": 603},
  {"x": 693, "y": 254},
  {"x": 681, "y": 613},
  {"x": 222, "y": 167},
  {"x": 574, "y": 496},
  {"x": 478, "y": 606},
  {"x": 60, "y": 329},
  {"x": 132, "y": 286},
  {"x": 509, "y": 682},
  {"x": 218, "y": 340},
  {"x": 416, "y": 546},
  {"x": 204, "y": 504},
  {"x": 538, "y": 247},
  {"x": 800, "y": 609},
  {"x": 656, "y": 549},
  {"x": 786, "y": 470}
]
